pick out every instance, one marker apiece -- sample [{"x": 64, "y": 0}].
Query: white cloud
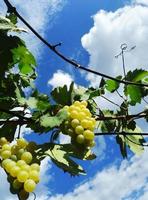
[
  {"x": 114, "y": 183},
  {"x": 60, "y": 78},
  {"x": 111, "y": 29}
]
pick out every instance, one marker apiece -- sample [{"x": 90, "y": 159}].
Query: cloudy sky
[{"x": 91, "y": 32}]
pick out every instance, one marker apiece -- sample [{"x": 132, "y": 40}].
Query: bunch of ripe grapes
[
  {"x": 80, "y": 124},
  {"x": 17, "y": 161}
]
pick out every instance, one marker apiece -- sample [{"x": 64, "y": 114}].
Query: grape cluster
[
  {"x": 17, "y": 160},
  {"x": 80, "y": 124}
]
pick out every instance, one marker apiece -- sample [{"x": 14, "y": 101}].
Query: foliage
[{"x": 47, "y": 113}]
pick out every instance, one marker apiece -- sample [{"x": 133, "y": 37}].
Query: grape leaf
[{"x": 112, "y": 85}]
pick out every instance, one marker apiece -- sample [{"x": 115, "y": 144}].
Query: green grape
[
  {"x": 27, "y": 157},
  {"x": 35, "y": 166},
  {"x": 77, "y": 103},
  {"x": 79, "y": 129},
  {"x": 74, "y": 114},
  {"x": 19, "y": 153},
  {"x": 80, "y": 139},
  {"x": 72, "y": 108},
  {"x": 29, "y": 185},
  {"x": 22, "y": 143},
  {"x": 22, "y": 176},
  {"x": 16, "y": 184},
  {"x": 34, "y": 175},
  {"x": 6, "y": 147},
  {"x": 5, "y": 162},
  {"x": 66, "y": 107},
  {"x": 9, "y": 166},
  {"x": 25, "y": 167},
  {"x": 3, "y": 141},
  {"x": 5, "y": 154},
  {"x": 13, "y": 157},
  {"x": 20, "y": 163},
  {"x": 89, "y": 135},
  {"x": 14, "y": 171},
  {"x": 74, "y": 123},
  {"x": 90, "y": 125},
  {"x": 84, "y": 123},
  {"x": 81, "y": 116},
  {"x": 23, "y": 195},
  {"x": 87, "y": 112},
  {"x": 92, "y": 144},
  {"x": 84, "y": 103},
  {"x": 78, "y": 109}
]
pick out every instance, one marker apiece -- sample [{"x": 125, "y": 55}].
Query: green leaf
[
  {"x": 50, "y": 122},
  {"x": 137, "y": 75},
  {"x": 62, "y": 159},
  {"x": 7, "y": 25},
  {"x": 135, "y": 94},
  {"x": 62, "y": 95},
  {"x": 24, "y": 58},
  {"x": 120, "y": 140},
  {"x": 112, "y": 85}
]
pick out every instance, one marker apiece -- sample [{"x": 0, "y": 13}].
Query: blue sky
[{"x": 91, "y": 32}]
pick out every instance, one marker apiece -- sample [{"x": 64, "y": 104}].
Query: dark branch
[
  {"x": 120, "y": 133},
  {"x": 73, "y": 63}
]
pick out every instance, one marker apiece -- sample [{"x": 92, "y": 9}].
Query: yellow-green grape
[
  {"x": 14, "y": 171},
  {"x": 16, "y": 184},
  {"x": 87, "y": 112},
  {"x": 27, "y": 157},
  {"x": 25, "y": 167},
  {"x": 5, "y": 154},
  {"x": 79, "y": 130},
  {"x": 13, "y": 157},
  {"x": 84, "y": 123},
  {"x": 34, "y": 175},
  {"x": 74, "y": 114},
  {"x": 81, "y": 116},
  {"x": 93, "y": 120},
  {"x": 6, "y": 147},
  {"x": 77, "y": 103},
  {"x": 89, "y": 135},
  {"x": 22, "y": 143},
  {"x": 9, "y": 166},
  {"x": 66, "y": 107},
  {"x": 5, "y": 162},
  {"x": 74, "y": 123},
  {"x": 3, "y": 141},
  {"x": 92, "y": 144},
  {"x": 72, "y": 108},
  {"x": 78, "y": 109},
  {"x": 29, "y": 185},
  {"x": 22, "y": 176},
  {"x": 90, "y": 125},
  {"x": 80, "y": 139},
  {"x": 84, "y": 103},
  {"x": 23, "y": 195},
  {"x": 35, "y": 166},
  {"x": 20, "y": 163},
  {"x": 82, "y": 107},
  {"x": 20, "y": 153}
]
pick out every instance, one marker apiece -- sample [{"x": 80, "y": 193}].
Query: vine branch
[{"x": 12, "y": 9}]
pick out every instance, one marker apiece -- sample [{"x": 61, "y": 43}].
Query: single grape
[
  {"x": 80, "y": 139},
  {"x": 27, "y": 157},
  {"x": 77, "y": 103},
  {"x": 19, "y": 153},
  {"x": 35, "y": 166},
  {"x": 22, "y": 143},
  {"x": 6, "y": 147},
  {"x": 14, "y": 171},
  {"x": 84, "y": 103},
  {"x": 74, "y": 114},
  {"x": 72, "y": 108},
  {"x": 81, "y": 116},
  {"x": 5, "y": 162},
  {"x": 5, "y": 154},
  {"x": 25, "y": 167},
  {"x": 34, "y": 175},
  {"x": 16, "y": 184},
  {"x": 20, "y": 163},
  {"x": 84, "y": 123},
  {"x": 66, "y": 107},
  {"x": 13, "y": 157},
  {"x": 29, "y": 185},
  {"x": 90, "y": 125},
  {"x": 22, "y": 176},
  {"x": 79, "y": 130},
  {"x": 3, "y": 141},
  {"x": 9, "y": 166},
  {"x": 23, "y": 195},
  {"x": 89, "y": 135},
  {"x": 74, "y": 123}
]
